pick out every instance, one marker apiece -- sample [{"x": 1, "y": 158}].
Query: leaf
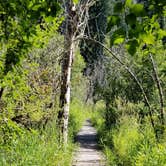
[
  {"x": 147, "y": 38},
  {"x": 151, "y": 7},
  {"x": 119, "y": 40},
  {"x": 131, "y": 46},
  {"x": 49, "y": 19},
  {"x": 13, "y": 5},
  {"x": 112, "y": 20},
  {"x": 135, "y": 32},
  {"x": 118, "y": 36},
  {"x": 130, "y": 19},
  {"x": 129, "y": 3},
  {"x": 161, "y": 33},
  {"x": 36, "y": 7},
  {"x": 75, "y": 1},
  {"x": 118, "y": 7},
  {"x": 138, "y": 9}
]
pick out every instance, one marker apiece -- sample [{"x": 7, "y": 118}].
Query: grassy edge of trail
[
  {"x": 41, "y": 147},
  {"x": 128, "y": 141}
]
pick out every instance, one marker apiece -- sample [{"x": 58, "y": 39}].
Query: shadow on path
[{"x": 88, "y": 153}]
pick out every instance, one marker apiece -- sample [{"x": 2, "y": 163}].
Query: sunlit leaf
[
  {"x": 129, "y": 3},
  {"x": 49, "y": 19},
  {"x": 161, "y": 33},
  {"x": 118, "y": 36},
  {"x": 112, "y": 20},
  {"x": 138, "y": 9},
  {"x": 147, "y": 38},
  {"x": 75, "y": 1},
  {"x": 36, "y": 7}
]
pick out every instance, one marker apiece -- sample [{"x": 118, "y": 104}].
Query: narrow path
[{"x": 88, "y": 153}]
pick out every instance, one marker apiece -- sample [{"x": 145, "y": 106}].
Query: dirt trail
[{"x": 88, "y": 153}]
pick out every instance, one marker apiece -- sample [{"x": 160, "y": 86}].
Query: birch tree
[{"x": 76, "y": 16}]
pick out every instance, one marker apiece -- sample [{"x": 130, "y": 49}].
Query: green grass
[
  {"x": 129, "y": 143},
  {"x": 38, "y": 149}
]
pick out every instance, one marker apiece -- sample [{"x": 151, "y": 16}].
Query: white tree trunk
[
  {"x": 67, "y": 60},
  {"x": 66, "y": 106},
  {"x": 75, "y": 21}
]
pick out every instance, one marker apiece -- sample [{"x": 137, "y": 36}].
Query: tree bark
[
  {"x": 1, "y": 92},
  {"x": 63, "y": 114}
]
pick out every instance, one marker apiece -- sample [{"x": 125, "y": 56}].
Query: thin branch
[
  {"x": 130, "y": 72},
  {"x": 159, "y": 87}
]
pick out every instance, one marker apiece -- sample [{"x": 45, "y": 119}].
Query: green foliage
[
  {"x": 77, "y": 116},
  {"x": 131, "y": 46},
  {"x": 36, "y": 148},
  {"x": 130, "y": 19},
  {"x": 111, "y": 21},
  {"x": 138, "y": 9},
  {"x": 141, "y": 24},
  {"x": 75, "y": 1},
  {"x": 18, "y": 26},
  {"x": 118, "y": 7},
  {"x": 118, "y": 36},
  {"x": 28, "y": 132},
  {"x": 28, "y": 104},
  {"x": 129, "y": 142},
  {"x": 128, "y": 3}
]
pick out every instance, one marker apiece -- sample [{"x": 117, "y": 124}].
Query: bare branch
[
  {"x": 159, "y": 87},
  {"x": 130, "y": 72}
]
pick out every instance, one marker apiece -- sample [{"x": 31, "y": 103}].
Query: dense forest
[{"x": 62, "y": 62}]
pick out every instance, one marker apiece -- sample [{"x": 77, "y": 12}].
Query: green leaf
[
  {"x": 131, "y": 46},
  {"x": 118, "y": 37},
  {"x": 112, "y": 20},
  {"x": 130, "y": 19},
  {"x": 119, "y": 40},
  {"x": 138, "y": 9},
  {"x": 151, "y": 7},
  {"x": 147, "y": 38},
  {"x": 75, "y": 1},
  {"x": 161, "y": 33},
  {"x": 36, "y": 7},
  {"x": 118, "y": 8},
  {"x": 129, "y": 3},
  {"x": 49, "y": 19}
]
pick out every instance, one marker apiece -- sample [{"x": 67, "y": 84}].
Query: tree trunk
[
  {"x": 1, "y": 92},
  {"x": 63, "y": 115}
]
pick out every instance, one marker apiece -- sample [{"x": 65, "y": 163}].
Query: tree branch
[
  {"x": 129, "y": 71},
  {"x": 159, "y": 87}
]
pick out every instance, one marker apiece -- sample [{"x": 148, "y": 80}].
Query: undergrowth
[
  {"x": 129, "y": 142},
  {"x": 39, "y": 147},
  {"x": 35, "y": 148}
]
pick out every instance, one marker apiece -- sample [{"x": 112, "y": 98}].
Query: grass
[
  {"x": 36, "y": 148},
  {"x": 129, "y": 143},
  {"x": 40, "y": 147}
]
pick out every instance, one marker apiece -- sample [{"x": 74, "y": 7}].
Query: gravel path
[{"x": 88, "y": 154}]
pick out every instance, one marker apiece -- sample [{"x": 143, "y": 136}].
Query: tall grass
[
  {"x": 40, "y": 147},
  {"x": 78, "y": 114},
  {"x": 129, "y": 142},
  {"x": 36, "y": 148}
]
